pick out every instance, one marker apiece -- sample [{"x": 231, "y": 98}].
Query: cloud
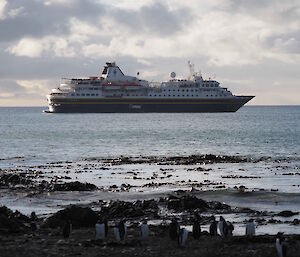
[
  {"x": 241, "y": 41},
  {"x": 29, "y": 47},
  {"x": 33, "y": 48},
  {"x": 3, "y": 4}
]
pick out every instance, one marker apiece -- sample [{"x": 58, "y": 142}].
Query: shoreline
[
  {"x": 227, "y": 180},
  {"x": 23, "y": 239}
]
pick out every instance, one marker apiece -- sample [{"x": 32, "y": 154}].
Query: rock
[
  {"x": 12, "y": 222},
  {"x": 296, "y": 222},
  {"x": 78, "y": 216},
  {"x": 287, "y": 213},
  {"x": 219, "y": 206},
  {"x": 121, "y": 209},
  {"x": 7, "y": 179},
  {"x": 73, "y": 186},
  {"x": 186, "y": 202}
]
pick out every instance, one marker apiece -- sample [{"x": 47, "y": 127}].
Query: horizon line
[{"x": 253, "y": 105}]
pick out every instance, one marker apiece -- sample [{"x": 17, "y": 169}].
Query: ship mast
[{"x": 194, "y": 75}]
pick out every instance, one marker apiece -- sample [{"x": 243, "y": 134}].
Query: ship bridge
[{"x": 112, "y": 72}]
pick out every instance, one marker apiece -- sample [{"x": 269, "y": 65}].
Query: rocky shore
[
  {"x": 188, "y": 179},
  {"x": 21, "y": 235}
]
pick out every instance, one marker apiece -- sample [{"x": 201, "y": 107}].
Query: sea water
[
  {"x": 29, "y": 137},
  {"x": 252, "y": 131}
]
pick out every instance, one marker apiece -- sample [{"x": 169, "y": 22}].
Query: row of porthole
[
  {"x": 85, "y": 95},
  {"x": 141, "y": 95},
  {"x": 183, "y": 95}
]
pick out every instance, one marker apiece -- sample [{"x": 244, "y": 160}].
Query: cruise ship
[{"x": 115, "y": 92}]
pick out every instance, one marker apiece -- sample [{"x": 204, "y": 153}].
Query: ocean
[
  {"x": 269, "y": 136},
  {"x": 252, "y": 131}
]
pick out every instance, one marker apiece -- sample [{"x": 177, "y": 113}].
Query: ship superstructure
[{"x": 114, "y": 91}]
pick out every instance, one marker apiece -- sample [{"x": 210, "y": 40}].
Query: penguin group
[
  {"x": 120, "y": 231},
  {"x": 176, "y": 233}
]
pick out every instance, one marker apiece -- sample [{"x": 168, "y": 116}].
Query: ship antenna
[{"x": 192, "y": 69}]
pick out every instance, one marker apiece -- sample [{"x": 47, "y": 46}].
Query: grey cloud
[
  {"x": 9, "y": 88},
  {"x": 275, "y": 10},
  {"x": 37, "y": 19},
  {"x": 285, "y": 42},
  {"x": 156, "y": 18}
]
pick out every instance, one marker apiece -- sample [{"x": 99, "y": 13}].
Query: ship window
[
  {"x": 192, "y": 95},
  {"x": 97, "y": 94},
  {"x": 92, "y": 94},
  {"x": 72, "y": 94},
  {"x": 82, "y": 94},
  {"x": 187, "y": 90},
  {"x": 78, "y": 94},
  {"x": 87, "y": 94},
  {"x": 182, "y": 90}
]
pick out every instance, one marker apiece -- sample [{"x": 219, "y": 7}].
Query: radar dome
[{"x": 173, "y": 74}]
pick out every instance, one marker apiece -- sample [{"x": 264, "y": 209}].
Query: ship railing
[{"x": 155, "y": 84}]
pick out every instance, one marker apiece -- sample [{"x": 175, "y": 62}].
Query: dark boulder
[
  {"x": 287, "y": 213},
  {"x": 73, "y": 186},
  {"x": 78, "y": 216},
  {"x": 219, "y": 206},
  {"x": 12, "y": 222},
  {"x": 186, "y": 202},
  {"x": 121, "y": 209},
  {"x": 7, "y": 179}
]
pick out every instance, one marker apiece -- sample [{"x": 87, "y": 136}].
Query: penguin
[
  {"x": 222, "y": 225},
  {"x": 120, "y": 231},
  {"x": 33, "y": 216},
  {"x": 144, "y": 230},
  {"x": 182, "y": 237},
  {"x": 33, "y": 219},
  {"x": 67, "y": 229},
  {"x": 174, "y": 229},
  {"x": 281, "y": 245},
  {"x": 230, "y": 228},
  {"x": 101, "y": 230},
  {"x": 250, "y": 228},
  {"x": 196, "y": 226},
  {"x": 33, "y": 226},
  {"x": 213, "y": 227}
]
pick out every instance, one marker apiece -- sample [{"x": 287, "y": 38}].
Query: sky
[{"x": 251, "y": 47}]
